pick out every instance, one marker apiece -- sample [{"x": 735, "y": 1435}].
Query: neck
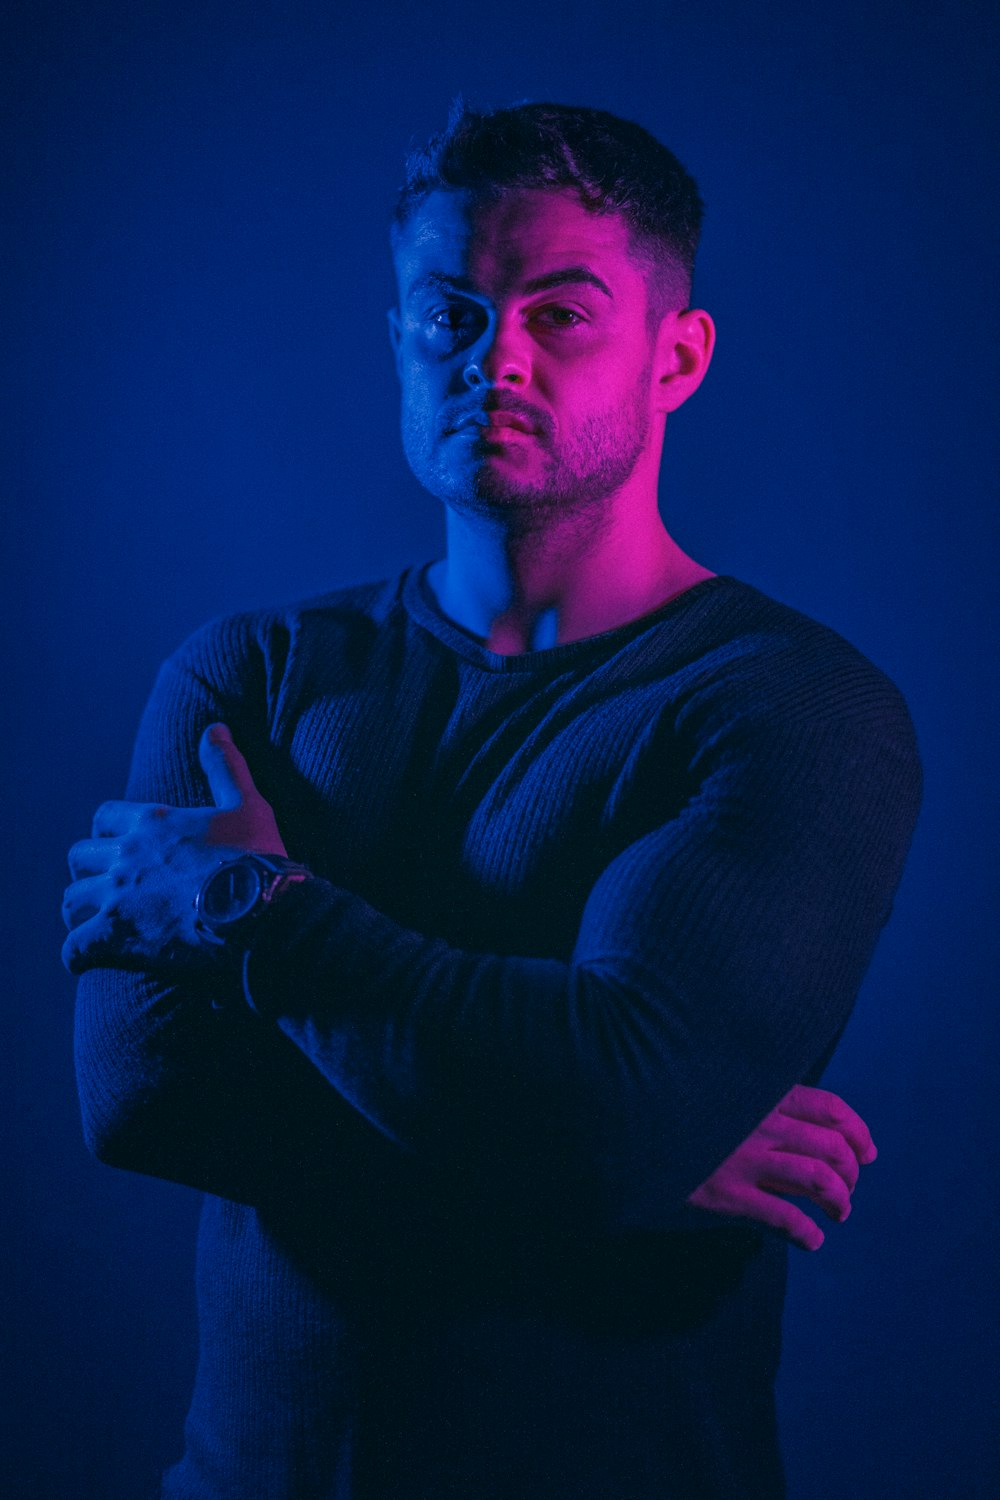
[{"x": 562, "y": 583}]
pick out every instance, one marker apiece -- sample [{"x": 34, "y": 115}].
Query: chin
[
  {"x": 497, "y": 492},
  {"x": 493, "y": 500},
  {"x": 476, "y": 490},
  {"x": 524, "y": 512}
]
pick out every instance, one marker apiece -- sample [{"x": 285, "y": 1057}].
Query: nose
[{"x": 499, "y": 358}]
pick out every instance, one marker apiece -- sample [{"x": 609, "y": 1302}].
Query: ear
[
  {"x": 395, "y": 336},
  {"x": 681, "y": 358}
]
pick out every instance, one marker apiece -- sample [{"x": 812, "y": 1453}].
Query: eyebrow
[{"x": 566, "y": 276}]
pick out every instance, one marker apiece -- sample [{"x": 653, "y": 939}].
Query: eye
[
  {"x": 446, "y": 317},
  {"x": 560, "y": 317},
  {"x": 451, "y": 319}
]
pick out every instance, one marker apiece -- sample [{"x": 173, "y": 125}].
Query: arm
[
  {"x": 625, "y": 1076},
  {"x": 176, "y": 1076},
  {"x": 595, "y": 1075},
  {"x": 716, "y": 963}
]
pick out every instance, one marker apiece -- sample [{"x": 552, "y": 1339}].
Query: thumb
[{"x": 228, "y": 774}]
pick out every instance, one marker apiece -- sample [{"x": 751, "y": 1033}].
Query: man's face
[{"x": 529, "y": 310}]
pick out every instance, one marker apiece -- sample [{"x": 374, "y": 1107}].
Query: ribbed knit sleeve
[
  {"x": 716, "y": 963},
  {"x": 180, "y": 1080}
]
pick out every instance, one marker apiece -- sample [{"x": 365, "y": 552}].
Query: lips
[
  {"x": 508, "y": 419},
  {"x": 497, "y": 419}
]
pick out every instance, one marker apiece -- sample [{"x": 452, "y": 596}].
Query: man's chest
[{"x": 480, "y": 808}]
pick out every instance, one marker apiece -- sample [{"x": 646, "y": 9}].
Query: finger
[
  {"x": 92, "y": 856},
  {"x": 114, "y": 818},
  {"x": 228, "y": 773},
  {"x": 805, "y": 1177},
  {"x": 83, "y": 900},
  {"x": 821, "y": 1107},
  {"x": 88, "y": 945},
  {"x": 790, "y": 1221},
  {"x": 799, "y": 1138},
  {"x": 766, "y": 1208}
]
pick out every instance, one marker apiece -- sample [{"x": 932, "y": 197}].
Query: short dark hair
[{"x": 614, "y": 165}]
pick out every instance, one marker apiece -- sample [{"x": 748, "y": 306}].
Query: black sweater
[{"x": 584, "y": 916}]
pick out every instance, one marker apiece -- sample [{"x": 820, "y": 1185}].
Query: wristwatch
[{"x": 233, "y": 896}]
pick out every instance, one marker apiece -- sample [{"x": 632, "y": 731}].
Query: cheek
[
  {"x": 419, "y": 391},
  {"x": 588, "y": 393},
  {"x": 620, "y": 383}
]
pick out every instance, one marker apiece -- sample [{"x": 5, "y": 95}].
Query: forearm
[
  {"x": 164, "y": 1081},
  {"x": 717, "y": 960},
  {"x": 210, "y": 1098},
  {"x": 568, "y": 1088}
]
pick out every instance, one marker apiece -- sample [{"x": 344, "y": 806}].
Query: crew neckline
[{"x": 421, "y": 604}]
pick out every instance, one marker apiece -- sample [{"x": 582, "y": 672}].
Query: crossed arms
[{"x": 413, "y": 1035}]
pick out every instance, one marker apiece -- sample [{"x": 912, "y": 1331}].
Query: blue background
[{"x": 203, "y": 417}]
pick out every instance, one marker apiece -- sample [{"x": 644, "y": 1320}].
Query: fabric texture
[{"x": 581, "y": 918}]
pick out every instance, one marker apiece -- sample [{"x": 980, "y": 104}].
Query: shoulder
[
  {"x": 230, "y": 650},
  {"x": 755, "y": 661},
  {"x": 774, "y": 711},
  {"x": 761, "y": 691}
]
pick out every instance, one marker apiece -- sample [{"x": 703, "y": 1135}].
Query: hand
[
  {"x": 811, "y": 1145},
  {"x": 131, "y": 901}
]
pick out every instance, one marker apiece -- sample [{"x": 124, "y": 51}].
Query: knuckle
[
  {"x": 843, "y": 1160},
  {"x": 827, "y": 1108},
  {"x": 823, "y": 1179},
  {"x": 73, "y": 954},
  {"x": 786, "y": 1217}
]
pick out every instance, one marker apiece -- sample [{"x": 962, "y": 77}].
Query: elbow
[
  {"x": 140, "y": 1142},
  {"x": 120, "y": 1079},
  {"x": 112, "y": 1136}
]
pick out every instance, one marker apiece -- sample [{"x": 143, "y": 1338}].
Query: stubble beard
[{"x": 575, "y": 485}]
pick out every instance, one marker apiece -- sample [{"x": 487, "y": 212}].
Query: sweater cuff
[{"x": 268, "y": 967}]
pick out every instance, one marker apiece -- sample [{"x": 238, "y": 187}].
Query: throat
[{"x": 512, "y": 635}]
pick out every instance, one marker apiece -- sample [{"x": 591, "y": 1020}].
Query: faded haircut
[{"x": 614, "y": 165}]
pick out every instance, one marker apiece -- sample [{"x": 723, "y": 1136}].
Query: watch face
[{"x": 230, "y": 893}]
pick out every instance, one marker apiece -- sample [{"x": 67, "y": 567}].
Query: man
[{"x": 486, "y": 1001}]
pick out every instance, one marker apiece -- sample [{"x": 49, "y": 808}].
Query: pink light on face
[
  {"x": 498, "y": 421},
  {"x": 533, "y": 307},
  {"x": 530, "y": 310}
]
